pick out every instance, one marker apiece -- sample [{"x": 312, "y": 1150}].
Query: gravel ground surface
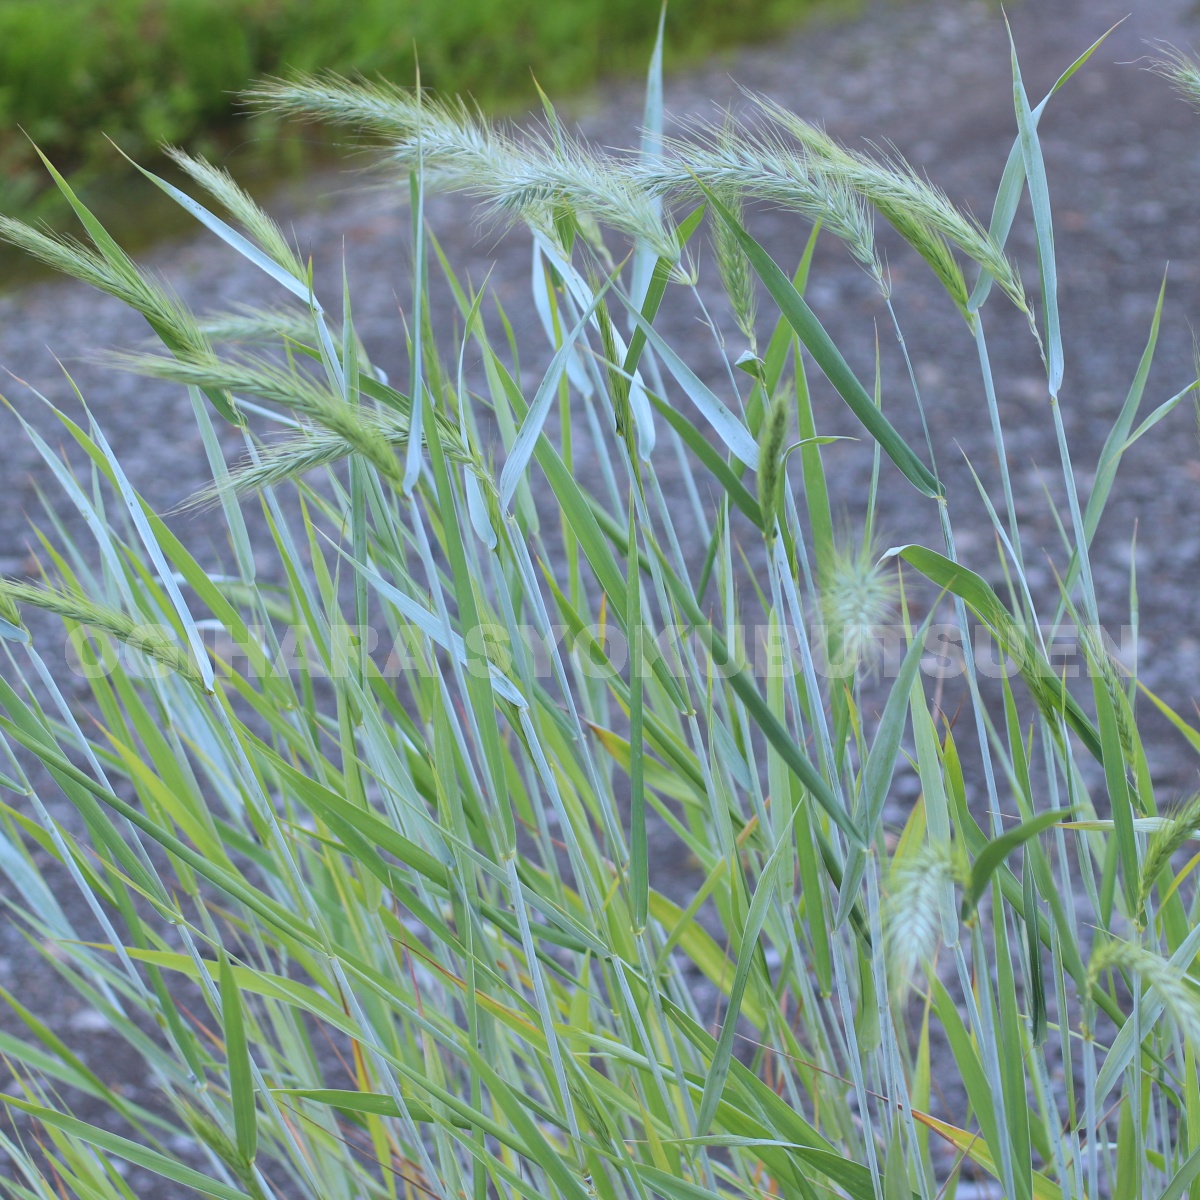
[{"x": 933, "y": 78}]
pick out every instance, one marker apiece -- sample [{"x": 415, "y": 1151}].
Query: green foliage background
[{"x": 147, "y": 71}]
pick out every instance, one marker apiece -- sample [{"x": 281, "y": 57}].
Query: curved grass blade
[
  {"x": 998, "y": 849},
  {"x": 539, "y": 410},
  {"x": 1046, "y": 688},
  {"x": 1183, "y": 1179},
  {"x": 729, "y": 427},
  {"x": 231, "y": 237},
  {"x": 166, "y": 316},
  {"x": 827, "y": 356},
  {"x": 703, "y": 450}
]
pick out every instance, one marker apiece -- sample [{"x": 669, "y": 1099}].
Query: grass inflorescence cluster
[{"x": 369, "y": 821}]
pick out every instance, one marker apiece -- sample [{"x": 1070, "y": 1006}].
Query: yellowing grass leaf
[{"x": 976, "y": 1149}]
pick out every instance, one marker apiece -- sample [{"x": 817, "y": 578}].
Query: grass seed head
[
  {"x": 1181, "y": 71},
  {"x": 772, "y": 451},
  {"x": 146, "y": 638},
  {"x": 1177, "y": 829},
  {"x": 1178, "y": 994},
  {"x": 859, "y": 596},
  {"x": 241, "y": 206},
  {"x": 912, "y": 914},
  {"x": 737, "y": 275}
]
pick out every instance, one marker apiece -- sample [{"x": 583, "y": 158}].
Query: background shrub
[{"x": 145, "y": 72}]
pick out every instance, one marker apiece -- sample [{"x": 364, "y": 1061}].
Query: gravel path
[{"x": 931, "y": 77}]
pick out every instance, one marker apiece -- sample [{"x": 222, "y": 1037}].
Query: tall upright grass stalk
[{"x": 371, "y": 834}]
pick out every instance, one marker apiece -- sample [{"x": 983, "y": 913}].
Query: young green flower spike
[
  {"x": 772, "y": 455},
  {"x": 1176, "y": 830}
]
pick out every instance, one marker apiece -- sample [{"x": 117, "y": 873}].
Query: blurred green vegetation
[{"x": 144, "y": 72}]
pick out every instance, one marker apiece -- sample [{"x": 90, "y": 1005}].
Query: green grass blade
[
  {"x": 764, "y": 896},
  {"x": 237, "y": 1056},
  {"x": 132, "y": 1152},
  {"x": 230, "y": 236},
  {"x": 828, "y": 357},
  {"x": 1039, "y": 195},
  {"x": 729, "y": 427},
  {"x": 881, "y": 767},
  {"x": 639, "y": 876},
  {"x": 531, "y": 427},
  {"x": 1117, "y": 441},
  {"x": 1046, "y": 688},
  {"x": 998, "y": 849},
  {"x": 1012, "y": 182}
]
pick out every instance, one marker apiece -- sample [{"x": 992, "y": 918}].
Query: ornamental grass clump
[{"x": 369, "y": 820}]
